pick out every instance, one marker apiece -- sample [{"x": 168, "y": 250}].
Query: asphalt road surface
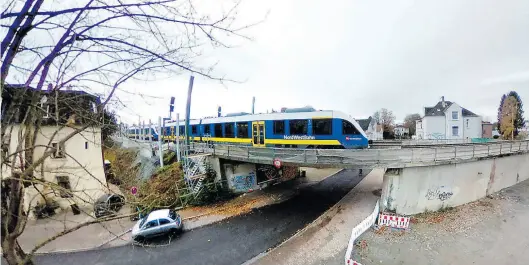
[{"x": 229, "y": 242}]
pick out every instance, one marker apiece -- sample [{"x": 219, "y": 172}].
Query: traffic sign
[{"x": 134, "y": 190}]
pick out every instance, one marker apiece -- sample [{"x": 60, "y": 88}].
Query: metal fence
[{"x": 391, "y": 158}]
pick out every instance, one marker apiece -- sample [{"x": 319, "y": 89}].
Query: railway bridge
[{"x": 418, "y": 177}]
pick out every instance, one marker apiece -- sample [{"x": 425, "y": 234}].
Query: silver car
[{"x": 158, "y": 222}]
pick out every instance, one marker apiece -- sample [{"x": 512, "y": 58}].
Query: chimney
[{"x": 443, "y": 101}]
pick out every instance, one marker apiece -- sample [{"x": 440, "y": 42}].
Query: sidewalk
[
  {"x": 116, "y": 232},
  {"x": 325, "y": 240}
]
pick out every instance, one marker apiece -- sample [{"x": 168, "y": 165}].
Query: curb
[{"x": 331, "y": 212}]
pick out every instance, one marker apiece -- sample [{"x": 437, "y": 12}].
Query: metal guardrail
[{"x": 366, "y": 158}]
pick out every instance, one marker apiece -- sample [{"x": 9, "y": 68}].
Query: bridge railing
[{"x": 368, "y": 157}]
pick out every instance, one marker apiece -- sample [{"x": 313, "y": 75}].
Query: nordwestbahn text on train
[{"x": 310, "y": 129}]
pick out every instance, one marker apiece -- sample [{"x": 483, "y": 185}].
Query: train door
[{"x": 258, "y": 134}]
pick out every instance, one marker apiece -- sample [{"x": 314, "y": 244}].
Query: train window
[
  {"x": 279, "y": 127},
  {"x": 182, "y": 130},
  {"x": 207, "y": 129},
  {"x": 299, "y": 127},
  {"x": 218, "y": 130},
  {"x": 322, "y": 127},
  {"x": 348, "y": 128},
  {"x": 229, "y": 131},
  {"x": 242, "y": 130},
  {"x": 194, "y": 129}
]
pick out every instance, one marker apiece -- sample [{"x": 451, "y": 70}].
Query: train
[{"x": 291, "y": 128}]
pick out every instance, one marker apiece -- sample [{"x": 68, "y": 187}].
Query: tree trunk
[
  {"x": 13, "y": 253},
  {"x": 12, "y": 220}
]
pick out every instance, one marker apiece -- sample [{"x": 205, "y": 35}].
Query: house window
[
  {"x": 322, "y": 127},
  {"x": 279, "y": 127},
  {"x": 242, "y": 130},
  {"x": 207, "y": 129},
  {"x": 58, "y": 150},
  {"x": 45, "y": 107},
  {"x": 85, "y": 145},
  {"x": 299, "y": 127},
  {"x": 455, "y": 115},
  {"x": 455, "y": 131},
  {"x": 64, "y": 183},
  {"x": 348, "y": 128},
  {"x": 228, "y": 130}
]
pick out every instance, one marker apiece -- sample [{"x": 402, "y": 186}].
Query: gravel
[{"x": 477, "y": 232}]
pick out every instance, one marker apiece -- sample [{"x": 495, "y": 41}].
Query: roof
[
  {"x": 63, "y": 91},
  {"x": 439, "y": 110},
  {"x": 364, "y": 123},
  {"x": 468, "y": 113},
  {"x": 154, "y": 215}
]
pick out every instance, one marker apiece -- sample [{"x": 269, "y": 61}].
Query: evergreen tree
[{"x": 503, "y": 97}]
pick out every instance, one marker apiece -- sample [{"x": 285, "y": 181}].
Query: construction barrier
[
  {"x": 394, "y": 221},
  {"x": 357, "y": 231}
]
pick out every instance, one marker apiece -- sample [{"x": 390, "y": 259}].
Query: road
[{"x": 230, "y": 242}]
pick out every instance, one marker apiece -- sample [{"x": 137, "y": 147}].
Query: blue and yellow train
[{"x": 296, "y": 129}]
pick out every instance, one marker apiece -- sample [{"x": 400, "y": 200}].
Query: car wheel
[{"x": 139, "y": 239}]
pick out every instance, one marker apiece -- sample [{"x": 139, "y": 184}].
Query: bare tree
[
  {"x": 85, "y": 45},
  {"x": 409, "y": 122},
  {"x": 386, "y": 118}
]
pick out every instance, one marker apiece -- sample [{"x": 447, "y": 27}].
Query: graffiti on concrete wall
[
  {"x": 436, "y": 136},
  {"x": 269, "y": 171},
  {"x": 440, "y": 193},
  {"x": 243, "y": 183}
]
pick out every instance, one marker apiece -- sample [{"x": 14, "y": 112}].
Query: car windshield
[
  {"x": 143, "y": 220},
  {"x": 172, "y": 214}
]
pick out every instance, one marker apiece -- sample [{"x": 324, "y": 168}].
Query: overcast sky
[{"x": 360, "y": 56}]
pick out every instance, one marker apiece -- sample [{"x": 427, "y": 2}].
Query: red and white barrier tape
[{"x": 357, "y": 231}]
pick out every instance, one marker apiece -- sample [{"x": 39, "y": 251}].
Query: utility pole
[
  {"x": 188, "y": 108},
  {"x": 160, "y": 151},
  {"x": 178, "y": 137}
]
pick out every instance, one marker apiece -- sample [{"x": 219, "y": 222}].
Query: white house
[
  {"x": 448, "y": 120},
  {"x": 371, "y": 128},
  {"x": 401, "y": 131},
  {"x": 74, "y": 172}
]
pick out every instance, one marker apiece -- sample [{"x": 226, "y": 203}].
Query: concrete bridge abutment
[{"x": 412, "y": 190}]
